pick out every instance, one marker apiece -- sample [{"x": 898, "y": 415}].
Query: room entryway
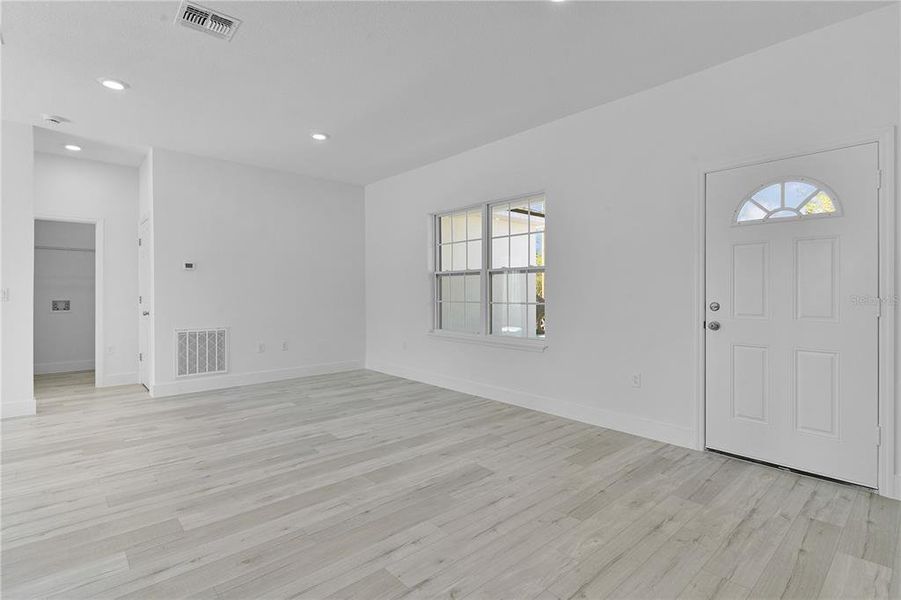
[
  {"x": 792, "y": 312},
  {"x": 64, "y": 301}
]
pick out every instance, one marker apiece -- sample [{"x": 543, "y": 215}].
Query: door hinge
[
  {"x": 878, "y": 308},
  {"x": 139, "y": 241},
  {"x": 140, "y": 357},
  {"x": 879, "y": 435},
  {"x": 878, "y": 179},
  {"x": 140, "y": 299}
]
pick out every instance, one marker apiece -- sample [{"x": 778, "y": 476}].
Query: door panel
[
  {"x": 750, "y": 367},
  {"x": 816, "y": 278},
  {"x": 816, "y": 392},
  {"x": 749, "y": 280},
  {"x": 791, "y": 372}
]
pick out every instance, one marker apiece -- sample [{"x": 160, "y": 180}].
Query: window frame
[
  {"x": 782, "y": 182},
  {"x": 485, "y": 272}
]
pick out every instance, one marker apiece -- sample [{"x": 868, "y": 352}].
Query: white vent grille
[
  {"x": 201, "y": 351},
  {"x": 195, "y": 16}
]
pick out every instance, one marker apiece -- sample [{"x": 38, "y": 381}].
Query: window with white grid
[{"x": 490, "y": 269}]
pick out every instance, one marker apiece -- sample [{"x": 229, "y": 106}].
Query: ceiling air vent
[{"x": 195, "y": 16}]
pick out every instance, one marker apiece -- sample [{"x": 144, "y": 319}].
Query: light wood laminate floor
[{"x": 361, "y": 485}]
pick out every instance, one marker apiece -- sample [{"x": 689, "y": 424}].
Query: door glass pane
[
  {"x": 797, "y": 192},
  {"x": 819, "y": 204},
  {"x": 750, "y": 212},
  {"x": 769, "y": 197}
]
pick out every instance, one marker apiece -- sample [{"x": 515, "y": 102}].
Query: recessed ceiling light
[
  {"x": 72, "y": 148},
  {"x": 113, "y": 84},
  {"x": 319, "y": 136}
]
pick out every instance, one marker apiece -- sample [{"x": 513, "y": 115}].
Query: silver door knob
[
  {"x": 146, "y": 313},
  {"x": 713, "y": 326}
]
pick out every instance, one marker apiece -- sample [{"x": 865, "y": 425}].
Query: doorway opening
[{"x": 66, "y": 300}]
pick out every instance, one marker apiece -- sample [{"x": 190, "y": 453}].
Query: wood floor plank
[
  {"x": 363, "y": 485},
  {"x": 851, "y": 577},
  {"x": 799, "y": 567}
]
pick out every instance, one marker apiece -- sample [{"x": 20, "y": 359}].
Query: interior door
[
  {"x": 792, "y": 309},
  {"x": 144, "y": 308}
]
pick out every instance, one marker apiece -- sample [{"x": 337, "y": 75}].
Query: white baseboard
[
  {"x": 216, "y": 382},
  {"x": 641, "y": 426},
  {"x": 66, "y": 366},
  {"x": 118, "y": 379},
  {"x": 895, "y": 493},
  {"x": 18, "y": 408}
]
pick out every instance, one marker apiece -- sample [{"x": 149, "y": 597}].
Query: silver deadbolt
[
  {"x": 713, "y": 326},
  {"x": 714, "y": 306}
]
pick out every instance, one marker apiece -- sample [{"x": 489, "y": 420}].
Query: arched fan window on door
[{"x": 796, "y": 198}]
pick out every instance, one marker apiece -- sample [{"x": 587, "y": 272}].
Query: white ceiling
[
  {"x": 53, "y": 141},
  {"x": 396, "y": 84}
]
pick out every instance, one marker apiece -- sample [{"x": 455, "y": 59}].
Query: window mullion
[{"x": 485, "y": 278}]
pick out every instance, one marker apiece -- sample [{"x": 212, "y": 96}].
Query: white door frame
[
  {"x": 147, "y": 350},
  {"x": 885, "y": 138},
  {"x": 99, "y": 354}
]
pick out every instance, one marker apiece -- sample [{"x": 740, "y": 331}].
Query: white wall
[
  {"x": 279, "y": 259},
  {"x": 63, "y": 270},
  {"x": 89, "y": 190},
  {"x": 622, "y": 184},
  {"x": 16, "y": 269}
]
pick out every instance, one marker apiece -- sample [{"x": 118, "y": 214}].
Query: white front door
[
  {"x": 792, "y": 309},
  {"x": 144, "y": 314}
]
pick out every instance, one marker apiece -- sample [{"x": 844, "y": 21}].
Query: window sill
[{"x": 498, "y": 342}]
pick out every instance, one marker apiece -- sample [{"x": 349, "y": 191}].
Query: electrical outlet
[
  {"x": 636, "y": 380},
  {"x": 284, "y": 345},
  {"x": 261, "y": 347}
]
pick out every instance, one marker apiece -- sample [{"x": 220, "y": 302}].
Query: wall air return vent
[
  {"x": 201, "y": 351},
  {"x": 195, "y": 16}
]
